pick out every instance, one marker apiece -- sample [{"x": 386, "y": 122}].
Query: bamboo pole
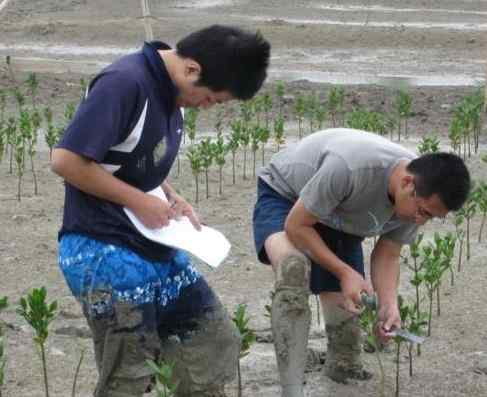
[{"x": 146, "y": 16}]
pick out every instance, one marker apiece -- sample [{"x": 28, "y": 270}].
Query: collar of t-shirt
[{"x": 158, "y": 69}]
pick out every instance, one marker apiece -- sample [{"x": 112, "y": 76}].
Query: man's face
[{"x": 415, "y": 209}]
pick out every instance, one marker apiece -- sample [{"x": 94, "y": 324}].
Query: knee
[{"x": 293, "y": 271}]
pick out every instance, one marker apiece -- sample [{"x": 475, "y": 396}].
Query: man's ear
[
  {"x": 407, "y": 180},
  {"x": 192, "y": 70}
]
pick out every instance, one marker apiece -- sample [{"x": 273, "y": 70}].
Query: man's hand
[
  {"x": 153, "y": 212},
  {"x": 182, "y": 208},
  {"x": 389, "y": 319},
  {"x": 353, "y": 284}
]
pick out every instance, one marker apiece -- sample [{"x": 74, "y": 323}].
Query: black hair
[
  {"x": 231, "y": 59},
  {"x": 444, "y": 174}
]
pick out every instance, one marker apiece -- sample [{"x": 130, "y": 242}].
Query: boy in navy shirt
[{"x": 141, "y": 299}]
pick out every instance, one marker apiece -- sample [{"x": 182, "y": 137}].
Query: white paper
[{"x": 208, "y": 244}]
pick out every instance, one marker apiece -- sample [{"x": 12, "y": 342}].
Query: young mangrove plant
[
  {"x": 3, "y": 356},
  {"x": 480, "y": 198},
  {"x": 194, "y": 157},
  {"x": 403, "y": 104},
  {"x": 20, "y": 148},
  {"x": 39, "y": 315},
  {"x": 433, "y": 269},
  {"x": 234, "y": 143},
  {"x": 190, "y": 117},
  {"x": 76, "y": 372},
  {"x": 280, "y": 91},
  {"x": 279, "y": 132},
  {"x": 163, "y": 372},
  {"x": 336, "y": 98},
  {"x": 267, "y": 108},
  {"x": 368, "y": 320},
  {"x": 299, "y": 111},
  {"x": 459, "y": 218},
  {"x": 220, "y": 150},
  {"x": 247, "y": 334},
  {"x": 206, "y": 156},
  {"x": 429, "y": 144},
  {"x": 312, "y": 102}
]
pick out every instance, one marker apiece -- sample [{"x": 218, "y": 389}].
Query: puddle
[
  {"x": 3, "y": 4},
  {"x": 354, "y": 8},
  {"x": 66, "y": 49},
  {"x": 400, "y": 25},
  {"x": 204, "y": 3},
  {"x": 378, "y": 79}
]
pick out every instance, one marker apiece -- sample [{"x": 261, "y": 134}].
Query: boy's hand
[
  {"x": 182, "y": 208},
  {"x": 153, "y": 212}
]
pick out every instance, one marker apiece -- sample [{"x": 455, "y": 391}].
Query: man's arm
[
  {"x": 300, "y": 231},
  {"x": 91, "y": 178},
  {"x": 385, "y": 270}
]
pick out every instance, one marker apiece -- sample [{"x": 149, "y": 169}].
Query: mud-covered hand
[
  {"x": 153, "y": 212},
  {"x": 389, "y": 319},
  {"x": 353, "y": 285},
  {"x": 182, "y": 208}
]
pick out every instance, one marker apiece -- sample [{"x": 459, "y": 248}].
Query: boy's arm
[{"x": 89, "y": 177}]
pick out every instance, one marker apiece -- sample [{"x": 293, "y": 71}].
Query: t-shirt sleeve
[
  {"x": 328, "y": 187},
  {"x": 103, "y": 119},
  {"x": 404, "y": 234}
]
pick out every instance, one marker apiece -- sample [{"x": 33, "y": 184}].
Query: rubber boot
[
  {"x": 291, "y": 317},
  {"x": 344, "y": 347}
]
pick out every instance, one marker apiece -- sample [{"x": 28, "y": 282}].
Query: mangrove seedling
[
  {"x": 3, "y": 358},
  {"x": 247, "y": 334},
  {"x": 279, "y": 132},
  {"x": 194, "y": 157},
  {"x": 39, "y": 314},
  {"x": 163, "y": 372},
  {"x": 368, "y": 320},
  {"x": 206, "y": 155},
  {"x": 234, "y": 143}
]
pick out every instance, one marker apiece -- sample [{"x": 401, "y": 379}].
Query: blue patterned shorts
[{"x": 89, "y": 265}]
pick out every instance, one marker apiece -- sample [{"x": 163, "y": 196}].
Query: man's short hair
[
  {"x": 444, "y": 174},
  {"x": 231, "y": 59}
]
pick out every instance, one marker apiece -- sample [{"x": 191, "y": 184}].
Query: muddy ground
[{"x": 454, "y": 360}]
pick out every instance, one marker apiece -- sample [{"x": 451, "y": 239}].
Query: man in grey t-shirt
[{"x": 321, "y": 198}]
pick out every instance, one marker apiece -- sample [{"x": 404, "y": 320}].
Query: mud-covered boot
[
  {"x": 291, "y": 319},
  {"x": 343, "y": 356}
]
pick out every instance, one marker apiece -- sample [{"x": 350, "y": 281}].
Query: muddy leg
[
  {"x": 124, "y": 337},
  {"x": 344, "y": 345},
  {"x": 205, "y": 357},
  {"x": 291, "y": 318}
]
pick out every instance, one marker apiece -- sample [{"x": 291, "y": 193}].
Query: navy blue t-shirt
[{"x": 128, "y": 123}]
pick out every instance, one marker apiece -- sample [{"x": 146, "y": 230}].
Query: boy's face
[
  {"x": 193, "y": 95},
  {"x": 201, "y": 97}
]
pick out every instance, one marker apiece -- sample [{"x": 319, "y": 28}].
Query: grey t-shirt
[{"x": 342, "y": 177}]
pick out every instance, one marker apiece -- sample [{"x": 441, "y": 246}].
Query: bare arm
[
  {"x": 385, "y": 269},
  {"x": 91, "y": 178},
  {"x": 385, "y": 272},
  {"x": 300, "y": 231}
]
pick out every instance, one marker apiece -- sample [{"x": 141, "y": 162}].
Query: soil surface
[{"x": 306, "y": 36}]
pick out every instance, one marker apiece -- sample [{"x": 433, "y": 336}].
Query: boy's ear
[
  {"x": 192, "y": 70},
  {"x": 407, "y": 180}
]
